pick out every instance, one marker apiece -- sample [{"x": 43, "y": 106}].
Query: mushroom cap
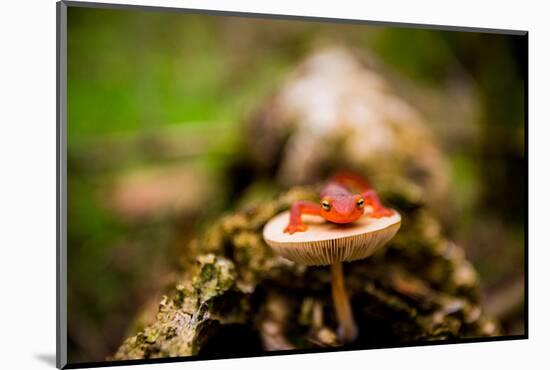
[{"x": 325, "y": 243}]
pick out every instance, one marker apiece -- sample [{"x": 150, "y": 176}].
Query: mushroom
[{"x": 325, "y": 243}]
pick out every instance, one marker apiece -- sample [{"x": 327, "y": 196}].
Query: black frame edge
[
  {"x": 61, "y": 190},
  {"x": 291, "y": 17}
]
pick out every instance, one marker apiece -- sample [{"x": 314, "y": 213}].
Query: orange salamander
[{"x": 338, "y": 203}]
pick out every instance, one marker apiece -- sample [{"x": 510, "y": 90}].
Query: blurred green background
[{"x": 157, "y": 102}]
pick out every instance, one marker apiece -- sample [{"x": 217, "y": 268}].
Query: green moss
[{"x": 420, "y": 288}]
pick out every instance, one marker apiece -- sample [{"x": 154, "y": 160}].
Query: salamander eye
[
  {"x": 325, "y": 204},
  {"x": 360, "y": 203}
]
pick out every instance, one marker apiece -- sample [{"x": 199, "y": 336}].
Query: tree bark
[{"x": 236, "y": 297}]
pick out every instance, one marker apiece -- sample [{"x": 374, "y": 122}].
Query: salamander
[{"x": 339, "y": 203}]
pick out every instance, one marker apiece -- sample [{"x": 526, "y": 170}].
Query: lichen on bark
[{"x": 419, "y": 288}]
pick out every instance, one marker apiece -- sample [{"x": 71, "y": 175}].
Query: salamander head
[{"x": 342, "y": 209}]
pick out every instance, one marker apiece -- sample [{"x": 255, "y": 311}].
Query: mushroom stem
[{"x": 347, "y": 330}]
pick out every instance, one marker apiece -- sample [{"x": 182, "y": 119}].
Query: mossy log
[{"x": 237, "y": 298}]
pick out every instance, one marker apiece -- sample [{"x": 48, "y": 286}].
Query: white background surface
[{"x": 27, "y": 177}]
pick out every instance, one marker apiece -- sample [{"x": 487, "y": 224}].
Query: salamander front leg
[
  {"x": 298, "y": 209},
  {"x": 378, "y": 210}
]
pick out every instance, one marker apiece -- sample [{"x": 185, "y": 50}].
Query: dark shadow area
[{"x": 235, "y": 340}]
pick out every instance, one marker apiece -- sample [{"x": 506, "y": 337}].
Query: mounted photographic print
[{"x": 236, "y": 185}]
